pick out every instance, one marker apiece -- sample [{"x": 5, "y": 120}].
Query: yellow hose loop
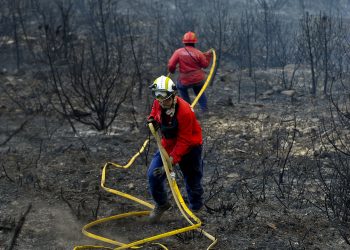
[
  {"x": 210, "y": 76},
  {"x": 116, "y": 192},
  {"x": 132, "y": 160},
  {"x": 114, "y": 217},
  {"x": 136, "y": 244}
]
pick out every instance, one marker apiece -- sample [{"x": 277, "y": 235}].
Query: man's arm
[{"x": 204, "y": 58}]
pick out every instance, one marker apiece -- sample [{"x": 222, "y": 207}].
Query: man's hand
[
  {"x": 209, "y": 52},
  {"x": 154, "y": 123}
]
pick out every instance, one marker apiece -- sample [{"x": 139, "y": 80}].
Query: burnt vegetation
[{"x": 74, "y": 80}]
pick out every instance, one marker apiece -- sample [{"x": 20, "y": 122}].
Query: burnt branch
[
  {"x": 21, "y": 127},
  {"x": 19, "y": 227},
  {"x": 10, "y": 179}
]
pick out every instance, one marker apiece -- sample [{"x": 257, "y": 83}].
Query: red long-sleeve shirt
[
  {"x": 189, "y": 133},
  {"x": 190, "y": 66}
]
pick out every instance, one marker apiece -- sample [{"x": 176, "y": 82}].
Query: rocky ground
[{"x": 54, "y": 175}]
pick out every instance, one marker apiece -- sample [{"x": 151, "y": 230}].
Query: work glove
[
  {"x": 154, "y": 122},
  {"x": 158, "y": 172}
]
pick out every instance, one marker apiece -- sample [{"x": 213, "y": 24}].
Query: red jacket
[
  {"x": 189, "y": 132},
  {"x": 190, "y": 66}
]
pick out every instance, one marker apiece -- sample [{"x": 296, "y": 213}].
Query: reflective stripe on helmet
[
  {"x": 167, "y": 83},
  {"x": 163, "y": 83}
]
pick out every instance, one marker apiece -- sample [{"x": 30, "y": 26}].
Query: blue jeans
[
  {"x": 192, "y": 168},
  {"x": 183, "y": 91}
]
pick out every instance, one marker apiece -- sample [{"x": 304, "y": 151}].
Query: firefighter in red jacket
[
  {"x": 182, "y": 139},
  {"x": 191, "y": 62}
]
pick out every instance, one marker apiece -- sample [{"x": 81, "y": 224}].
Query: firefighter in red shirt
[
  {"x": 191, "y": 62},
  {"x": 182, "y": 139}
]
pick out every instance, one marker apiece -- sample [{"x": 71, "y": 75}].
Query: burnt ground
[{"x": 45, "y": 165}]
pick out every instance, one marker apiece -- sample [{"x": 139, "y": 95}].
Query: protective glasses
[{"x": 161, "y": 96}]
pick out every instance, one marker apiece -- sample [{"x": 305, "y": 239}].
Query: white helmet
[{"x": 163, "y": 86}]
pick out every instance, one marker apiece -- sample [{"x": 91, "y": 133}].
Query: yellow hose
[
  {"x": 194, "y": 221},
  {"x": 210, "y": 76}
]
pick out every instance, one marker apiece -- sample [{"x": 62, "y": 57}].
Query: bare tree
[
  {"x": 333, "y": 173},
  {"x": 5, "y": 21},
  {"x": 267, "y": 19},
  {"x": 92, "y": 85},
  {"x": 185, "y": 20},
  {"x": 218, "y": 32},
  {"x": 286, "y": 52},
  {"x": 308, "y": 45},
  {"x": 320, "y": 36},
  {"x": 15, "y": 29},
  {"x": 245, "y": 48},
  {"x": 331, "y": 32}
]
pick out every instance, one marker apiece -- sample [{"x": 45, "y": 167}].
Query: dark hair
[{"x": 190, "y": 44}]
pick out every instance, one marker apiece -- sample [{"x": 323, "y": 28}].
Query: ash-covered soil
[{"x": 248, "y": 147}]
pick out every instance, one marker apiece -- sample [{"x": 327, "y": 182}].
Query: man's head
[
  {"x": 189, "y": 38},
  {"x": 163, "y": 89}
]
